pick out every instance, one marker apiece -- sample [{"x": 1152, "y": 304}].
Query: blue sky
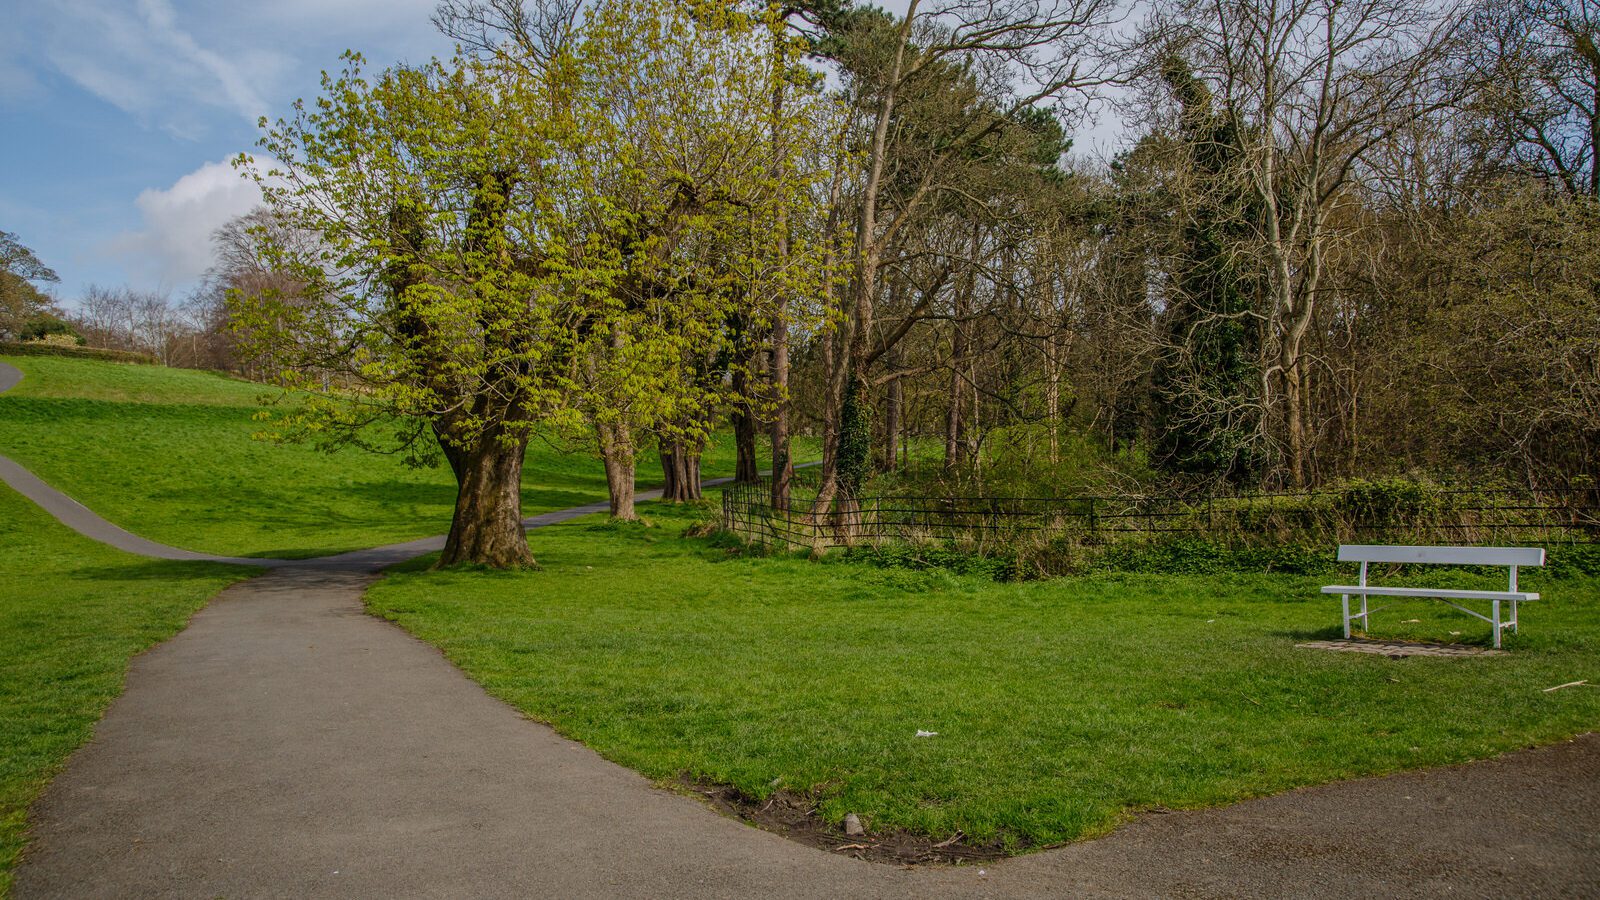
[{"x": 118, "y": 117}]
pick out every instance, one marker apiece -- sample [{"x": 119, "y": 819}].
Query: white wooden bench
[{"x": 1511, "y": 557}]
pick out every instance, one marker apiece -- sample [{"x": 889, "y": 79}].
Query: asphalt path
[{"x": 287, "y": 744}]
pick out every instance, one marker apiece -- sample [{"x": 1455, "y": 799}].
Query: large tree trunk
[
  {"x": 955, "y": 415},
  {"x": 745, "y": 470},
  {"x": 842, "y": 472},
  {"x": 782, "y": 462},
  {"x": 956, "y": 447},
  {"x": 680, "y": 469},
  {"x": 835, "y": 370},
  {"x": 487, "y": 526},
  {"x": 1052, "y": 399},
  {"x": 670, "y": 474},
  {"x": 1294, "y": 414},
  {"x": 893, "y": 404},
  {"x": 617, "y": 453}
]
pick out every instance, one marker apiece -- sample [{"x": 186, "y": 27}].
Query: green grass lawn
[
  {"x": 72, "y": 612},
  {"x": 168, "y": 454},
  {"x": 1062, "y": 706}
]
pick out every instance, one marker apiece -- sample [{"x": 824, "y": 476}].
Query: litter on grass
[{"x": 921, "y": 733}]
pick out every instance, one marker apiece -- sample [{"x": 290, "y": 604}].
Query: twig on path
[{"x": 945, "y": 843}]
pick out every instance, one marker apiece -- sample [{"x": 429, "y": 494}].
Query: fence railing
[{"x": 989, "y": 525}]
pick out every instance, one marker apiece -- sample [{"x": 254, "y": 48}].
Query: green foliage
[
  {"x": 1041, "y": 537},
  {"x": 46, "y": 324},
  {"x": 947, "y": 557},
  {"x": 855, "y": 439},
  {"x": 1206, "y": 379},
  {"x": 1497, "y": 373},
  {"x": 1573, "y": 561},
  {"x": 1016, "y": 463},
  {"x": 21, "y": 301},
  {"x": 1198, "y": 556},
  {"x": 1389, "y": 501},
  {"x": 539, "y": 242}
]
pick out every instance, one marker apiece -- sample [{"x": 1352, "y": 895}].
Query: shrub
[
  {"x": 1387, "y": 502},
  {"x": 57, "y": 339}
]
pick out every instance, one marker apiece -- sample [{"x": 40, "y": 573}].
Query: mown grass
[
  {"x": 72, "y": 613},
  {"x": 169, "y": 455},
  {"x": 1062, "y": 706}
]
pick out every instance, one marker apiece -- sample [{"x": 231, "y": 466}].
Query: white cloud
[
  {"x": 173, "y": 248},
  {"x": 144, "y": 61}
]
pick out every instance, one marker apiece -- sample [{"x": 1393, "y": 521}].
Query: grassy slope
[
  {"x": 168, "y": 454},
  {"x": 1061, "y": 706},
  {"x": 72, "y": 612}
]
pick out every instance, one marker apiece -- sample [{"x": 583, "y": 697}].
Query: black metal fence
[{"x": 991, "y": 525}]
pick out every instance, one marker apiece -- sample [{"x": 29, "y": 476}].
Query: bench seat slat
[
  {"x": 1428, "y": 592},
  {"x": 1456, "y": 556}
]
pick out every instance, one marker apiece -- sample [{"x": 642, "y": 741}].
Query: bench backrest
[{"x": 1455, "y": 556}]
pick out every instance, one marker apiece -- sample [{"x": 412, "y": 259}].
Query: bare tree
[
  {"x": 1535, "y": 79},
  {"x": 1310, "y": 87}
]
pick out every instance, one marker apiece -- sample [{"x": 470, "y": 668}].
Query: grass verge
[
  {"x": 72, "y": 613},
  {"x": 1061, "y": 707}
]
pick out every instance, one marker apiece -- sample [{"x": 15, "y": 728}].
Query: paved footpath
[{"x": 286, "y": 744}]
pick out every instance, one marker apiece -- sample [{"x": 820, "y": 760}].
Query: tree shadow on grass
[
  {"x": 548, "y": 494},
  {"x": 162, "y": 570},
  {"x": 1432, "y": 636},
  {"x": 1333, "y": 632}
]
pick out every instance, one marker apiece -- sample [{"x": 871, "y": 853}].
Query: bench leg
[
  {"x": 1345, "y": 599},
  {"x": 1514, "y": 619},
  {"x": 1496, "y": 624},
  {"x": 1366, "y": 624}
]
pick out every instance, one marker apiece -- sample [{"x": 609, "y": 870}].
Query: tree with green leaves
[
  {"x": 21, "y": 300},
  {"x": 441, "y": 309},
  {"x": 544, "y": 235}
]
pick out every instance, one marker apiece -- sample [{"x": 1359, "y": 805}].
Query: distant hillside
[{"x": 89, "y": 379}]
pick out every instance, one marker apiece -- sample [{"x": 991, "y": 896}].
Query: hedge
[{"x": 13, "y": 348}]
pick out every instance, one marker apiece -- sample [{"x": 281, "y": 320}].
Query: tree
[
  {"x": 686, "y": 95},
  {"x": 21, "y": 300},
  {"x": 545, "y": 235},
  {"x": 1206, "y": 405},
  {"x": 437, "y": 294},
  {"x": 128, "y": 319},
  {"x": 674, "y": 102},
  {"x": 1011, "y": 59},
  {"x": 1535, "y": 84},
  {"x": 1310, "y": 88}
]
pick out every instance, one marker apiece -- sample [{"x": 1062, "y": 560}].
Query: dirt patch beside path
[{"x": 795, "y": 817}]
